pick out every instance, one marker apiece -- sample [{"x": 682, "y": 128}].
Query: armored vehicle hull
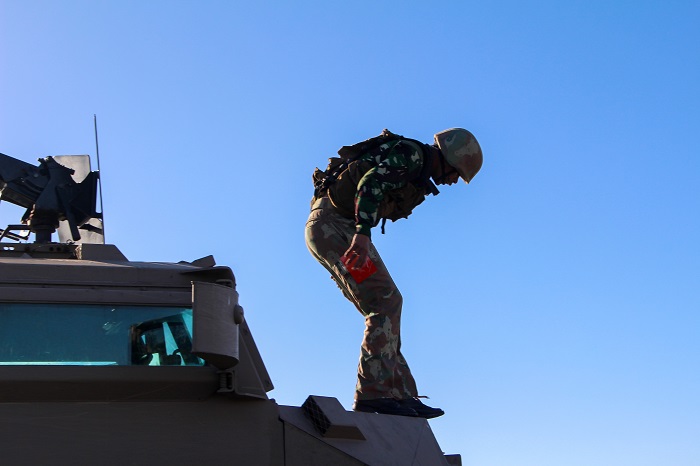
[{"x": 108, "y": 361}]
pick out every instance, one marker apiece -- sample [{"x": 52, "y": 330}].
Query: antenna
[{"x": 99, "y": 179}]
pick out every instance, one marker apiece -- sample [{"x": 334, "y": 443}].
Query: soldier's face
[{"x": 448, "y": 177}]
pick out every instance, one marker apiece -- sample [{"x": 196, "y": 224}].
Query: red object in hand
[{"x": 360, "y": 274}]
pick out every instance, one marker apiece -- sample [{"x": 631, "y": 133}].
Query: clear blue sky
[{"x": 552, "y": 307}]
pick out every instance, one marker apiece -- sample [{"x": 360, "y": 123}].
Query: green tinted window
[{"x": 62, "y": 334}]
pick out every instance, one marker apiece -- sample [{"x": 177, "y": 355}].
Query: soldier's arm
[{"x": 401, "y": 164}]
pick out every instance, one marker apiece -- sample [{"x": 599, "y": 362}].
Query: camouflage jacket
[{"x": 386, "y": 183}]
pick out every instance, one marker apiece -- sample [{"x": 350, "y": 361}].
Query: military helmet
[{"x": 461, "y": 151}]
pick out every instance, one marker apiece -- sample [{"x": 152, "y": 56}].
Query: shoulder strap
[{"x": 356, "y": 150}]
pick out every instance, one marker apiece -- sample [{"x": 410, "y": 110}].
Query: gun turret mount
[{"x": 60, "y": 193}]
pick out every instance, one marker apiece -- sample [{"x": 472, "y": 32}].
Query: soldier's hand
[{"x": 358, "y": 252}]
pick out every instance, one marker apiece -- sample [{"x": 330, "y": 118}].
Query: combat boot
[
  {"x": 384, "y": 406},
  {"x": 423, "y": 410}
]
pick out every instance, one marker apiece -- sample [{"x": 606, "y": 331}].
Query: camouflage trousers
[{"x": 382, "y": 371}]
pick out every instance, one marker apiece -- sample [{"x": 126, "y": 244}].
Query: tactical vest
[{"x": 396, "y": 204}]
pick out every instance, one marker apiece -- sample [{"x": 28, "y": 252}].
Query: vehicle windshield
[{"x": 86, "y": 335}]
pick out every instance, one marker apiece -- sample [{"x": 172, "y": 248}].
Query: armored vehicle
[{"x": 109, "y": 361}]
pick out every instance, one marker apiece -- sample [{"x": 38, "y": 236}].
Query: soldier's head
[{"x": 461, "y": 151}]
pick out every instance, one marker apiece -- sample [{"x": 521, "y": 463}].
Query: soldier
[{"x": 382, "y": 178}]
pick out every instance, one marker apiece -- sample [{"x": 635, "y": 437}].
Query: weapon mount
[{"x": 59, "y": 194}]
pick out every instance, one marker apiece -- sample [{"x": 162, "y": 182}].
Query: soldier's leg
[
  {"x": 328, "y": 236},
  {"x": 382, "y": 370},
  {"x": 403, "y": 377}
]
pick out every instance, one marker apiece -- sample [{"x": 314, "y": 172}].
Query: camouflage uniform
[{"x": 382, "y": 370}]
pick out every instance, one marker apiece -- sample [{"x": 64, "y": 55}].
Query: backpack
[{"x": 348, "y": 154}]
